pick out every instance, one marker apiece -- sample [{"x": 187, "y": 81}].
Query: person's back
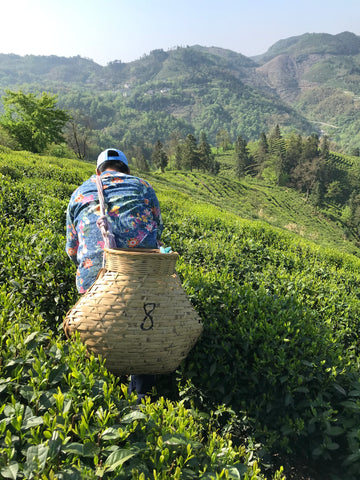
[{"x": 132, "y": 210}]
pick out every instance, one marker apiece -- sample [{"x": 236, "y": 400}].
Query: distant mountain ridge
[
  {"x": 300, "y": 83},
  {"x": 345, "y": 43}
]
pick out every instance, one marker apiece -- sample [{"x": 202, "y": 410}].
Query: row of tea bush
[
  {"x": 276, "y": 369},
  {"x": 62, "y": 414}
]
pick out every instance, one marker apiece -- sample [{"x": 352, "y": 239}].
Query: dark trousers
[{"x": 142, "y": 385}]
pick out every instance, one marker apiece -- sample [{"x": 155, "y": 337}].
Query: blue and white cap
[{"x": 111, "y": 154}]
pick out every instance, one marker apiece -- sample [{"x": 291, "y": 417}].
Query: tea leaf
[
  {"x": 131, "y": 417},
  {"x": 36, "y": 456},
  {"x": 74, "y": 448},
  {"x": 117, "y": 458},
  {"x": 32, "y": 422},
  {"x": 10, "y": 471},
  {"x": 111, "y": 433}
]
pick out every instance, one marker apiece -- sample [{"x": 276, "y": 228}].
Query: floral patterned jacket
[{"x": 133, "y": 213}]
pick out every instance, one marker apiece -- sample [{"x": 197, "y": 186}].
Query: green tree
[
  {"x": 159, "y": 156},
  {"x": 276, "y": 142},
  {"x": 316, "y": 196},
  {"x": 324, "y": 147},
  {"x": 355, "y": 151},
  {"x": 261, "y": 153},
  {"x": 34, "y": 122},
  {"x": 293, "y": 154},
  {"x": 354, "y": 204},
  {"x": 310, "y": 148},
  {"x": 241, "y": 156},
  {"x": 277, "y": 150},
  {"x": 190, "y": 152},
  {"x": 223, "y": 140},
  {"x": 308, "y": 174},
  {"x": 334, "y": 191},
  {"x": 263, "y": 147},
  {"x": 173, "y": 141},
  {"x": 140, "y": 155},
  {"x": 7, "y": 141},
  {"x": 206, "y": 157},
  {"x": 178, "y": 157}
]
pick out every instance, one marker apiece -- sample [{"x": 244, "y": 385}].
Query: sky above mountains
[{"x": 107, "y": 30}]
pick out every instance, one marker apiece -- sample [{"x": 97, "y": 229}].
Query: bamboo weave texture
[{"x": 136, "y": 315}]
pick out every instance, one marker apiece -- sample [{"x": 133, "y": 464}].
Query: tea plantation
[{"x": 276, "y": 371}]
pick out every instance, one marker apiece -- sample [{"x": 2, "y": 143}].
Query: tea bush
[
  {"x": 281, "y": 331},
  {"x": 62, "y": 414},
  {"x": 280, "y": 347}
]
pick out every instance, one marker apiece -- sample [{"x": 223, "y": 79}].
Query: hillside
[
  {"x": 345, "y": 43},
  {"x": 318, "y": 75},
  {"x": 248, "y": 198},
  {"x": 274, "y": 378},
  {"x": 308, "y": 83},
  {"x": 254, "y": 200}
]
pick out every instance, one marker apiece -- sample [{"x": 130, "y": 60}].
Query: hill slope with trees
[{"x": 307, "y": 84}]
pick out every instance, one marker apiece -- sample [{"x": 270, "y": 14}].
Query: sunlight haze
[{"x": 125, "y": 30}]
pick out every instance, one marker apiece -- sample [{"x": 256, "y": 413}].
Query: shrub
[{"x": 62, "y": 414}]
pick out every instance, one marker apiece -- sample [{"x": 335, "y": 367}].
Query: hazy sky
[{"x": 107, "y": 30}]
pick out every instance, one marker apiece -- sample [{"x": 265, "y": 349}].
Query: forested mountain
[
  {"x": 308, "y": 83},
  {"x": 318, "y": 75}
]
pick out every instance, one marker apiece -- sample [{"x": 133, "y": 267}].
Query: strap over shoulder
[{"x": 102, "y": 222}]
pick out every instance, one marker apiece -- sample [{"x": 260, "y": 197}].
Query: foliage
[
  {"x": 277, "y": 363},
  {"x": 148, "y": 99},
  {"x": 62, "y": 414},
  {"x": 159, "y": 156},
  {"x": 33, "y": 122},
  {"x": 241, "y": 157},
  {"x": 308, "y": 83},
  {"x": 345, "y": 43},
  {"x": 281, "y": 333}
]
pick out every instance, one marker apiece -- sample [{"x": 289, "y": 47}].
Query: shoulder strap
[{"x": 102, "y": 221}]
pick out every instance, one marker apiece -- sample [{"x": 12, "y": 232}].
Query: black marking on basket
[{"x": 148, "y": 309}]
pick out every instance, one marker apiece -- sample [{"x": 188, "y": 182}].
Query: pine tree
[
  {"x": 223, "y": 140},
  {"x": 179, "y": 157},
  {"x": 206, "y": 157},
  {"x": 277, "y": 145},
  {"x": 190, "y": 153},
  {"x": 242, "y": 156},
  {"x": 293, "y": 152},
  {"x": 262, "y": 151},
  {"x": 324, "y": 147},
  {"x": 309, "y": 174},
  {"x": 310, "y": 148},
  {"x": 140, "y": 154},
  {"x": 173, "y": 142},
  {"x": 354, "y": 204},
  {"x": 159, "y": 156}
]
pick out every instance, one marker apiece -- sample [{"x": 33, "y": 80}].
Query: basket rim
[{"x": 139, "y": 251}]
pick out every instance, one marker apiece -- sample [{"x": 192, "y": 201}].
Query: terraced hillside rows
[
  {"x": 256, "y": 200},
  {"x": 274, "y": 375}
]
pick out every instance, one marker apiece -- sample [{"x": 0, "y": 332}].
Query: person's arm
[
  {"x": 155, "y": 210},
  {"x": 72, "y": 241}
]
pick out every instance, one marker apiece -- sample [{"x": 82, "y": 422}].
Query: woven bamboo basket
[{"x": 136, "y": 315}]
